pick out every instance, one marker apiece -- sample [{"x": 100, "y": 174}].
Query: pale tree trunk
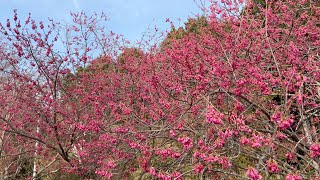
[
  {"x": 3, "y": 172},
  {"x": 307, "y": 131},
  {"x": 34, "y": 170}
]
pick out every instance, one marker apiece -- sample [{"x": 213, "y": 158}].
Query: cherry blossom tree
[
  {"x": 235, "y": 96},
  {"x": 36, "y": 108}
]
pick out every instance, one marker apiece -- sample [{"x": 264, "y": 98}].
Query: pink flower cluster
[
  {"x": 289, "y": 156},
  {"x": 186, "y": 142},
  {"x": 293, "y": 177},
  {"x": 164, "y": 153},
  {"x": 221, "y": 160},
  {"x": 103, "y": 173},
  {"x": 273, "y": 166},
  {"x": 175, "y": 175},
  {"x": 214, "y": 116},
  {"x": 315, "y": 150},
  {"x": 198, "y": 168},
  {"x": 283, "y": 122},
  {"x": 255, "y": 141},
  {"x": 253, "y": 174}
]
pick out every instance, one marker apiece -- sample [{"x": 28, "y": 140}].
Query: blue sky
[{"x": 127, "y": 17}]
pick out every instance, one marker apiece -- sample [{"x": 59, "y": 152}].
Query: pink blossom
[
  {"x": 224, "y": 161},
  {"x": 244, "y": 140},
  {"x": 198, "y": 168},
  {"x": 164, "y": 153},
  {"x": 256, "y": 141},
  {"x": 276, "y": 117},
  {"x": 212, "y": 159},
  {"x": 172, "y": 133},
  {"x": 293, "y": 177},
  {"x": 289, "y": 156},
  {"x": 214, "y": 116},
  {"x": 286, "y": 123},
  {"x": 103, "y": 173},
  {"x": 152, "y": 171},
  {"x": 273, "y": 166},
  {"x": 253, "y": 174},
  {"x": 299, "y": 99},
  {"x": 111, "y": 164},
  {"x": 280, "y": 135},
  {"x": 186, "y": 142},
  {"x": 176, "y": 155},
  {"x": 163, "y": 176},
  {"x": 315, "y": 150},
  {"x": 176, "y": 175}
]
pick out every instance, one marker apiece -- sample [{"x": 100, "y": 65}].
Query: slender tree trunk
[
  {"x": 307, "y": 132},
  {"x": 34, "y": 170}
]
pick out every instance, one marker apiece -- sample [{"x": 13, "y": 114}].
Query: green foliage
[
  {"x": 129, "y": 53},
  {"x": 243, "y": 161},
  {"x": 61, "y": 175},
  {"x": 192, "y": 26},
  {"x": 195, "y": 25}
]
